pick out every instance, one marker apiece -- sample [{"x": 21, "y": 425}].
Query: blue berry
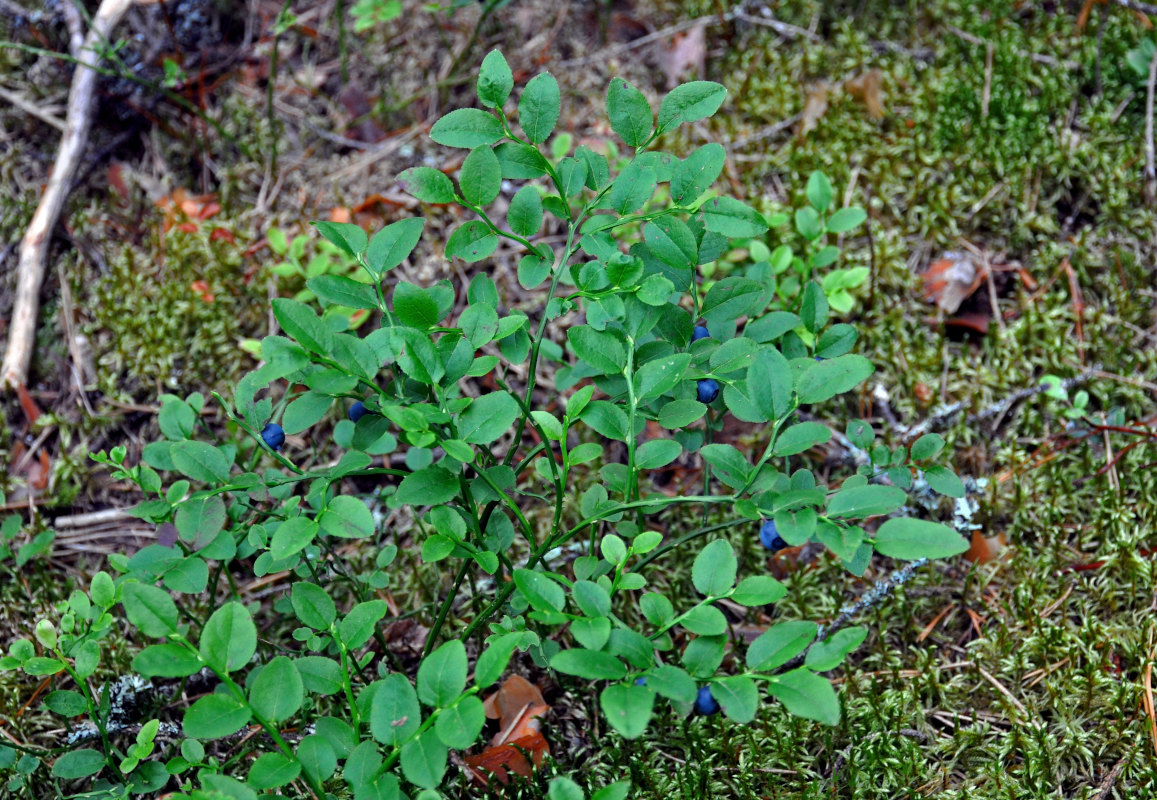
[
  {"x": 700, "y": 332},
  {"x": 770, "y": 537},
  {"x": 705, "y": 703},
  {"x": 640, "y": 681},
  {"x": 273, "y": 435},
  {"x": 357, "y": 411},
  {"x": 707, "y": 390}
]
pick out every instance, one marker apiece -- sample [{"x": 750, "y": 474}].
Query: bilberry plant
[{"x": 456, "y": 397}]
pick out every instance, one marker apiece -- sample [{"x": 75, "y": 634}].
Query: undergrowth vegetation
[{"x": 1024, "y": 673}]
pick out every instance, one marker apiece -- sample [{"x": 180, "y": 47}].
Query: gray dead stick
[{"x": 34, "y": 246}]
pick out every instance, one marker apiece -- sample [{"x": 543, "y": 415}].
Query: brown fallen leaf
[
  {"x": 865, "y": 88},
  {"x": 952, "y": 279},
  {"x": 496, "y": 763},
  {"x": 688, "y": 50},
  {"x": 814, "y": 107}
]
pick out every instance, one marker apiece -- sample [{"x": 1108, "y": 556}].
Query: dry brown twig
[
  {"x": 1150, "y": 166},
  {"x": 34, "y": 246}
]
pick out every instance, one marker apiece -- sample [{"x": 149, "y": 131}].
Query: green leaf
[
  {"x": 495, "y": 80},
  {"x": 737, "y": 696},
  {"x": 427, "y": 184},
  {"x": 831, "y": 652},
  {"x": 732, "y": 297},
  {"x": 673, "y": 683},
  {"x": 458, "y": 726},
  {"x": 705, "y": 620},
  {"x": 728, "y": 464},
  {"x": 492, "y": 663},
  {"x": 909, "y": 539},
  {"x": 823, "y": 380},
  {"x": 303, "y": 326},
  {"x": 606, "y": 419},
  {"x": 429, "y": 486},
  {"x": 927, "y": 446},
  {"x": 229, "y": 638},
  {"x": 632, "y": 188},
  {"x": 565, "y": 789},
  {"x": 424, "y": 760},
  {"x": 819, "y": 191},
  {"x": 690, "y": 102},
  {"x": 807, "y": 695},
  {"x": 305, "y": 411},
  {"x": 524, "y": 216},
  {"x": 715, "y": 568},
  {"x": 629, "y": 112},
  {"x": 846, "y": 219},
  {"x": 338, "y": 290},
  {"x": 215, "y": 716},
  {"x": 150, "y": 609},
  {"x": 813, "y": 307},
  {"x": 697, "y": 172},
  {"x": 166, "y": 661},
  {"x": 480, "y": 177},
  {"x": 615, "y": 791},
  {"x": 472, "y": 241},
  {"x": 276, "y": 693},
  {"x": 657, "y": 453},
  {"x": 467, "y": 128},
  {"x": 348, "y": 237},
  {"x": 347, "y": 518},
  {"x": 592, "y": 599},
  {"x": 601, "y": 349},
  {"x": 272, "y": 770},
  {"x": 779, "y": 644},
  {"x": 733, "y": 355},
  {"x": 671, "y": 241},
  {"x": 865, "y": 501},
  {"x": 800, "y": 437},
  {"x": 769, "y": 383},
  {"x": 102, "y": 589},
  {"x": 487, "y": 418},
  {"x": 681, "y": 413},
  {"x": 357, "y": 626},
  {"x": 660, "y": 375},
  {"x": 479, "y": 323},
  {"x": 944, "y": 481},
  {"x": 190, "y": 575},
  {"x": 393, "y": 243},
  {"x": 415, "y": 306},
  {"x": 394, "y": 713},
  {"x": 758, "y": 590},
  {"x": 809, "y": 223},
  {"x": 541, "y": 592},
  {"x": 539, "y": 107},
  {"x": 319, "y": 674},
  {"x": 78, "y": 764},
  {"x": 442, "y": 675},
  {"x": 317, "y": 757},
  {"x": 66, "y": 703},
  {"x": 589, "y": 664},
  {"x": 200, "y": 461},
  {"x": 39, "y": 665},
  {"x": 628, "y": 709},
  {"x": 292, "y": 536},
  {"x": 732, "y": 218}
]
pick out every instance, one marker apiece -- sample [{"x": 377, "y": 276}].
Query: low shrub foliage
[{"x": 490, "y": 475}]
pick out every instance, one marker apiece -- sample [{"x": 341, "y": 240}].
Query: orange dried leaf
[
  {"x": 949, "y": 281},
  {"x": 814, "y": 107},
  {"x": 498, "y": 762}
]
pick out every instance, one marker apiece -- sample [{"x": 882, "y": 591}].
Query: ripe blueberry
[
  {"x": 640, "y": 681},
  {"x": 273, "y": 435},
  {"x": 700, "y": 332},
  {"x": 707, "y": 390},
  {"x": 770, "y": 537},
  {"x": 705, "y": 703},
  {"x": 357, "y": 411}
]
